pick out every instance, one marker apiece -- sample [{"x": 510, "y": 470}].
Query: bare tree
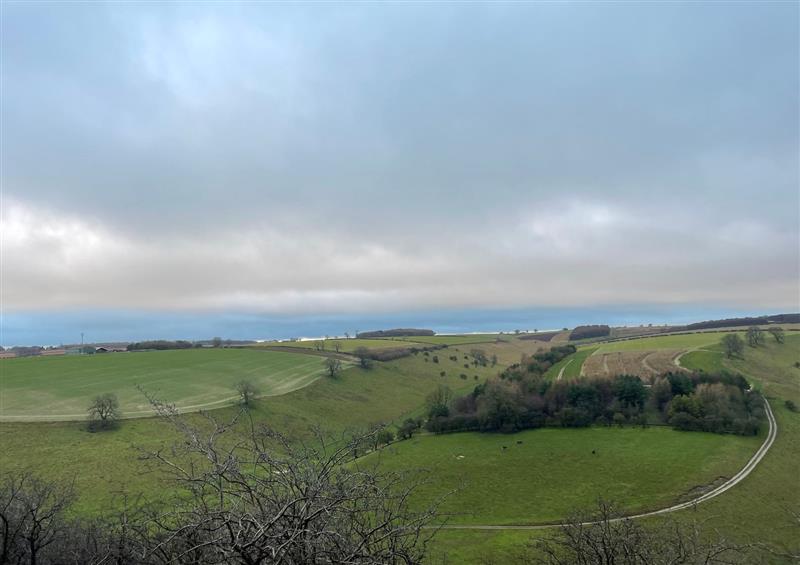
[
  {"x": 733, "y": 345},
  {"x": 364, "y": 357},
  {"x": 606, "y": 538},
  {"x": 333, "y": 366},
  {"x": 778, "y": 334},
  {"x": 248, "y": 495},
  {"x": 103, "y": 412},
  {"x": 755, "y": 336},
  {"x": 337, "y": 346},
  {"x": 247, "y": 392},
  {"x": 31, "y": 518}
]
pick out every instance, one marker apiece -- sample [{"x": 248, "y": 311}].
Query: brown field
[{"x": 642, "y": 363}]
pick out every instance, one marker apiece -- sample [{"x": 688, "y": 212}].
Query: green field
[
  {"x": 550, "y": 473},
  {"x": 454, "y": 339},
  {"x": 61, "y": 388},
  {"x": 553, "y": 471},
  {"x": 676, "y": 341},
  {"x": 572, "y": 364},
  {"x": 345, "y": 345},
  {"x": 757, "y": 511},
  {"x": 105, "y": 463},
  {"x": 703, "y": 360}
]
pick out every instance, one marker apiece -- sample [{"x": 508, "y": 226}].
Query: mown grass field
[
  {"x": 554, "y": 471},
  {"x": 61, "y": 388}
]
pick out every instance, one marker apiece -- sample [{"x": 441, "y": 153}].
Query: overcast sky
[{"x": 360, "y": 158}]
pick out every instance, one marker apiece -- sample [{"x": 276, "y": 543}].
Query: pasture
[
  {"x": 543, "y": 474},
  {"x": 61, "y": 388},
  {"x": 763, "y": 497},
  {"x": 107, "y": 463},
  {"x": 466, "y": 339},
  {"x": 673, "y": 341},
  {"x": 551, "y": 472}
]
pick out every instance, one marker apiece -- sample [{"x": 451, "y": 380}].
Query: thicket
[
  {"x": 752, "y": 321},
  {"x": 521, "y": 398},
  {"x": 586, "y": 332},
  {"x": 398, "y": 332}
]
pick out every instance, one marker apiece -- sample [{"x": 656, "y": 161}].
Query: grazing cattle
[
  {"x": 519, "y": 442},
  {"x": 505, "y": 447}
]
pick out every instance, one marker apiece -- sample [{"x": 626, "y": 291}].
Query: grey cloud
[{"x": 330, "y": 157}]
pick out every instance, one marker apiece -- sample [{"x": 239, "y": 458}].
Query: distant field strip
[
  {"x": 61, "y": 388},
  {"x": 345, "y": 345},
  {"x": 675, "y": 341},
  {"x": 454, "y": 339}
]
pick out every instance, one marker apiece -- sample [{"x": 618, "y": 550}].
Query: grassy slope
[
  {"x": 64, "y": 386},
  {"x": 554, "y": 470},
  {"x": 665, "y": 342},
  {"x": 105, "y": 462},
  {"x": 757, "y": 510},
  {"x": 754, "y": 511},
  {"x": 573, "y": 363}
]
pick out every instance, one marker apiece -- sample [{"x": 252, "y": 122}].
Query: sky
[{"x": 180, "y": 170}]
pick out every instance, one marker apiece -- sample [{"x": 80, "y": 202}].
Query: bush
[{"x": 790, "y": 405}]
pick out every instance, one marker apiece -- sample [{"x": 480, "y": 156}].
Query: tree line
[
  {"x": 586, "y": 332},
  {"x": 522, "y": 398}
]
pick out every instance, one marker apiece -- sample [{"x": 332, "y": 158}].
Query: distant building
[
  {"x": 7, "y": 354},
  {"x": 52, "y": 352},
  {"x": 109, "y": 349}
]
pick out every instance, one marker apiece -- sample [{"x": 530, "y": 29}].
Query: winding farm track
[
  {"x": 727, "y": 485},
  {"x": 561, "y": 372}
]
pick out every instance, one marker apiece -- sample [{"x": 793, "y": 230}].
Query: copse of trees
[
  {"x": 537, "y": 364},
  {"x": 751, "y": 321},
  {"x": 586, "y": 332},
  {"x": 398, "y": 332},
  {"x": 522, "y": 399}
]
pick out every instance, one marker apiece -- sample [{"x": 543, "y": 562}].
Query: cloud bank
[{"x": 358, "y": 158}]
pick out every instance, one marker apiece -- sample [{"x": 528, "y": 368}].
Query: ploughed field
[
  {"x": 61, "y": 388},
  {"x": 641, "y": 363}
]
